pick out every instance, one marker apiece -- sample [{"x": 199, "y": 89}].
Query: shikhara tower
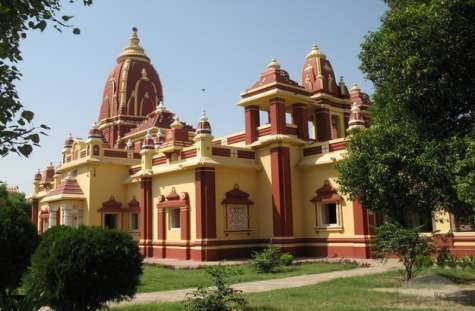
[{"x": 183, "y": 193}]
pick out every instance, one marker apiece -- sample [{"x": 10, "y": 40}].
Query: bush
[
  {"x": 220, "y": 297},
  {"x": 286, "y": 259},
  {"x": 266, "y": 260},
  {"x": 406, "y": 244},
  {"x": 443, "y": 256},
  {"x": 81, "y": 269},
  {"x": 18, "y": 240}
]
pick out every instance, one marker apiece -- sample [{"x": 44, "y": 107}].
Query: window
[
  {"x": 329, "y": 214},
  {"x": 110, "y": 221},
  {"x": 134, "y": 222},
  {"x": 174, "y": 218}
]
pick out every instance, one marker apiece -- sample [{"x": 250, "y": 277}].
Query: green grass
[
  {"x": 345, "y": 294},
  {"x": 157, "y": 278}
]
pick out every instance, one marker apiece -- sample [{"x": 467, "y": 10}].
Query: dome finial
[
  {"x": 133, "y": 48},
  {"x": 273, "y": 64},
  {"x": 315, "y": 52}
]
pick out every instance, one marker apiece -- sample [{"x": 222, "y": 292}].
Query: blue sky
[{"x": 221, "y": 46}]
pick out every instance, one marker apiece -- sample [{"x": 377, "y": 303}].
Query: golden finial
[
  {"x": 134, "y": 48},
  {"x": 273, "y": 64},
  {"x": 315, "y": 52},
  {"x": 355, "y": 87},
  {"x": 176, "y": 124}
]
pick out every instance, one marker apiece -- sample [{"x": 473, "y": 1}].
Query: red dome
[
  {"x": 317, "y": 74},
  {"x": 133, "y": 87}
]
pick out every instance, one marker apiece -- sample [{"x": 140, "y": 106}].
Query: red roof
[{"x": 68, "y": 186}]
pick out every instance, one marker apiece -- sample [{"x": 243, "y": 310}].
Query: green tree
[
  {"x": 421, "y": 61},
  {"x": 17, "y": 131},
  {"x": 408, "y": 245},
  {"x": 81, "y": 269},
  {"x": 220, "y": 297},
  {"x": 18, "y": 240},
  {"x": 390, "y": 169},
  {"x": 418, "y": 155}
]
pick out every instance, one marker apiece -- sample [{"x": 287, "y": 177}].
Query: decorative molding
[{"x": 326, "y": 194}]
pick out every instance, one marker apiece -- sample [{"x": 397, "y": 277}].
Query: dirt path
[{"x": 263, "y": 286}]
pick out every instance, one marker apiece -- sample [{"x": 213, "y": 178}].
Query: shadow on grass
[
  {"x": 463, "y": 297},
  {"x": 261, "y": 308},
  {"x": 461, "y": 279}
]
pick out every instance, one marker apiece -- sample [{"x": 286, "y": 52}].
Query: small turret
[
  {"x": 203, "y": 126},
  {"x": 356, "y": 118},
  {"x": 68, "y": 143},
  {"x": 148, "y": 142}
]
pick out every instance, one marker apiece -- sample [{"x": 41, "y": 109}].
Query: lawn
[
  {"x": 346, "y": 294},
  {"x": 158, "y": 278}
]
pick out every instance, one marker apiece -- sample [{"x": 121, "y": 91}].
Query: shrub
[
  {"x": 18, "y": 240},
  {"x": 443, "y": 256},
  {"x": 286, "y": 259},
  {"x": 266, "y": 260},
  {"x": 406, "y": 244},
  {"x": 81, "y": 269},
  {"x": 220, "y": 297}
]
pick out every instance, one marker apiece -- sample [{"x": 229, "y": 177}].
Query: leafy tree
[
  {"x": 421, "y": 61},
  {"x": 17, "y": 131},
  {"x": 16, "y": 199},
  {"x": 81, "y": 269},
  {"x": 419, "y": 153},
  {"x": 390, "y": 169},
  {"x": 220, "y": 297},
  {"x": 408, "y": 245},
  {"x": 18, "y": 240}
]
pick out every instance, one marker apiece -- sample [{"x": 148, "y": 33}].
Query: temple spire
[{"x": 133, "y": 49}]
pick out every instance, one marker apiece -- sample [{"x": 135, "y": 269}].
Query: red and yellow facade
[{"x": 185, "y": 194}]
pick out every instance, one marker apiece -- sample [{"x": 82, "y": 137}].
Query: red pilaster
[
  {"x": 146, "y": 215},
  {"x": 34, "y": 212},
  {"x": 277, "y": 116},
  {"x": 281, "y": 191},
  {"x": 346, "y": 118},
  {"x": 185, "y": 228},
  {"x": 299, "y": 118},
  {"x": 205, "y": 203},
  {"x": 360, "y": 220},
  {"x": 252, "y": 122},
  {"x": 162, "y": 232},
  {"x": 323, "y": 124}
]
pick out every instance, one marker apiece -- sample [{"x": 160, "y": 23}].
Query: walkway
[{"x": 266, "y": 285}]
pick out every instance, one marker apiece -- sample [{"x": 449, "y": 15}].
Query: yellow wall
[
  {"x": 313, "y": 179},
  {"x": 226, "y": 178},
  {"x": 162, "y": 184},
  {"x": 106, "y": 180}
]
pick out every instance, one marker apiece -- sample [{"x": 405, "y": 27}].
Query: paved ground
[{"x": 267, "y": 285}]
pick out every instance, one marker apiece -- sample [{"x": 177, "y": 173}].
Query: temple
[{"x": 183, "y": 193}]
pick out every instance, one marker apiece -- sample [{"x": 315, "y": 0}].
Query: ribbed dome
[
  {"x": 317, "y": 73},
  {"x": 133, "y": 88}
]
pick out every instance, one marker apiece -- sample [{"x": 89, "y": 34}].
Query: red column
[
  {"x": 205, "y": 203},
  {"x": 360, "y": 220},
  {"x": 277, "y": 116},
  {"x": 323, "y": 124},
  {"x": 185, "y": 228},
  {"x": 34, "y": 212},
  {"x": 161, "y": 225},
  {"x": 299, "y": 118},
  {"x": 146, "y": 215},
  {"x": 252, "y": 122},
  {"x": 281, "y": 191},
  {"x": 346, "y": 118}
]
